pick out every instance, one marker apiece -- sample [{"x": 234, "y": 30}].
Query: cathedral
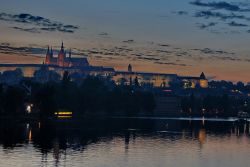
[{"x": 62, "y": 60}]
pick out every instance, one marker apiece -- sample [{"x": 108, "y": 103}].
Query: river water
[{"x": 125, "y": 142}]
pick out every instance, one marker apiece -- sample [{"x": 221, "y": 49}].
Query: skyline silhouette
[{"x": 185, "y": 37}]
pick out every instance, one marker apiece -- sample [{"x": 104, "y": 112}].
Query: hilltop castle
[
  {"x": 63, "y": 60},
  {"x": 80, "y": 67}
]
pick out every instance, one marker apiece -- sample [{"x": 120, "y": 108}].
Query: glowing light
[
  {"x": 29, "y": 108},
  {"x": 63, "y": 113},
  {"x": 30, "y": 135},
  {"x": 203, "y": 121},
  {"x": 202, "y": 136},
  {"x": 203, "y": 83}
]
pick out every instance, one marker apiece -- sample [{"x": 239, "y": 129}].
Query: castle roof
[{"x": 202, "y": 76}]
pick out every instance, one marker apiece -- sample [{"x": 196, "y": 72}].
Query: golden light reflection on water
[
  {"x": 63, "y": 117},
  {"x": 202, "y": 136},
  {"x": 203, "y": 121},
  {"x": 30, "y": 136}
]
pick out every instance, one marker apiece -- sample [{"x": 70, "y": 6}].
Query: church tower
[
  {"x": 130, "y": 68},
  {"x": 61, "y": 57},
  {"x": 47, "y": 59},
  {"x": 203, "y": 81}
]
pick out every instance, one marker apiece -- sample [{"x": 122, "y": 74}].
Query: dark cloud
[
  {"x": 212, "y": 51},
  {"x": 103, "y": 34},
  {"x": 40, "y": 23},
  {"x": 204, "y": 26},
  {"x": 164, "y": 51},
  {"x": 234, "y": 24},
  {"x": 231, "y": 11},
  {"x": 226, "y": 58},
  {"x": 180, "y": 12},
  {"x": 32, "y": 30},
  {"x": 34, "y": 50},
  {"x": 213, "y": 54},
  {"x": 171, "y": 63},
  {"x": 94, "y": 52},
  {"x": 129, "y": 41},
  {"x": 164, "y": 45},
  {"x": 122, "y": 49},
  {"x": 148, "y": 58},
  {"x": 23, "y": 51},
  {"x": 137, "y": 54},
  {"x": 219, "y": 5},
  {"x": 209, "y": 14}
]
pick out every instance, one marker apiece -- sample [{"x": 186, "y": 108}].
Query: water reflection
[{"x": 96, "y": 142}]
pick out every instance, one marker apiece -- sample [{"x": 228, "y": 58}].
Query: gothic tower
[
  {"x": 48, "y": 55},
  {"x": 130, "y": 68},
  {"x": 61, "y": 57}
]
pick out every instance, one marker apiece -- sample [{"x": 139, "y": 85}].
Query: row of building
[{"x": 80, "y": 67}]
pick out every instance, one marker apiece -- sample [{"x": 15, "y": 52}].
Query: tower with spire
[
  {"x": 130, "y": 68},
  {"x": 62, "y": 60},
  {"x": 61, "y": 56},
  {"x": 48, "y": 55},
  {"x": 203, "y": 81}
]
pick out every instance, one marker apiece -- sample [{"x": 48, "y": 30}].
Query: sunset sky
[{"x": 167, "y": 36}]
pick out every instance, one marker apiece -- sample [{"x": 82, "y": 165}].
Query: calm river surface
[{"x": 125, "y": 143}]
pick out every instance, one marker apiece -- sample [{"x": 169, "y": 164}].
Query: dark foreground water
[{"x": 125, "y": 142}]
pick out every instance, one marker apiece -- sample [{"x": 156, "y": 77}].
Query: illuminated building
[
  {"x": 63, "y": 61},
  {"x": 52, "y": 66},
  {"x": 159, "y": 79},
  {"x": 78, "y": 67},
  {"x": 154, "y": 79},
  {"x": 63, "y": 114},
  {"x": 203, "y": 81},
  {"x": 193, "y": 82}
]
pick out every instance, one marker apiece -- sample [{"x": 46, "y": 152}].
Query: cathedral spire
[
  {"x": 47, "y": 51},
  {"x": 47, "y": 59},
  {"x": 51, "y": 52},
  {"x": 202, "y": 76},
  {"x": 62, "y": 47}
]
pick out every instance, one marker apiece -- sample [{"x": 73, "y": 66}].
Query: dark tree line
[
  {"x": 12, "y": 100},
  {"x": 94, "y": 95},
  {"x": 217, "y": 105}
]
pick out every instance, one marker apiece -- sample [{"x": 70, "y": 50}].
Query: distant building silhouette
[
  {"x": 53, "y": 68},
  {"x": 11, "y": 77},
  {"x": 63, "y": 61},
  {"x": 130, "y": 68}
]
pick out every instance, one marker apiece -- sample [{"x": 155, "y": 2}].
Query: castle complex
[{"x": 80, "y": 67}]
